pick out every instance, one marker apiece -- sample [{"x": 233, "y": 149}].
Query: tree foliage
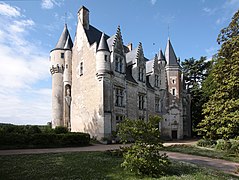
[
  {"x": 222, "y": 110},
  {"x": 143, "y": 157},
  {"x": 195, "y": 72}
]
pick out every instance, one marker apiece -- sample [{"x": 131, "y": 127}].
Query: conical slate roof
[
  {"x": 103, "y": 46},
  {"x": 170, "y": 54},
  {"x": 64, "y": 41}
]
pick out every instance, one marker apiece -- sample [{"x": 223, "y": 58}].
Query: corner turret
[
  {"x": 60, "y": 68},
  {"x": 103, "y": 57}
]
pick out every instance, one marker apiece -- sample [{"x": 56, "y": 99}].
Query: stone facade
[{"x": 97, "y": 81}]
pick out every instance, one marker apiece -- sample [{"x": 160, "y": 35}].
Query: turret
[
  {"x": 103, "y": 57},
  {"x": 60, "y": 58},
  {"x": 161, "y": 59}
]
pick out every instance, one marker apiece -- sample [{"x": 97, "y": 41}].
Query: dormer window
[
  {"x": 156, "y": 81},
  {"x": 119, "y": 64},
  {"x": 141, "y": 74}
]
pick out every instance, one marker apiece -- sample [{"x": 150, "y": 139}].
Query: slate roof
[
  {"x": 131, "y": 56},
  {"x": 64, "y": 41},
  {"x": 148, "y": 84},
  {"x": 129, "y": 76},
  {"x": 149, "y": 66},
  {"x": 103, "y": 46},
  {"x": 170, "y": 55}
]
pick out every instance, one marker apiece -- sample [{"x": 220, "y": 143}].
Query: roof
[
  {"x": 148, "y": 84},
  {"x": 94, "y": 35},
  {"x": 129, "y": 76},
  {"x": 103, "y": 46},
  {"x": 170, "y": 55},
  {"x": 149, "y": 66},
  {"x": 131, "y": 56},
  {"x": 64, "y": 41}
]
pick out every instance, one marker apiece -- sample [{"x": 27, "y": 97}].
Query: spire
[
  {"x": 170, "y": 54},
  {"x": 64, "y": 41},
  {"x": 160, "y": 55},
  {"x": 103, "y": 46}
]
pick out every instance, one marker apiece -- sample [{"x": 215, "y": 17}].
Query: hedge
[{"x": 39, "y": 140}]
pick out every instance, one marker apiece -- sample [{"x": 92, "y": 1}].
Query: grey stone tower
[
  {"x": 174, "y": 88},
  {"x": 60, "y": 68}
]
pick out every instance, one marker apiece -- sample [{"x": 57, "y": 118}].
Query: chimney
[
  {"x": 83, "y": 16},
  {"x": 130, "y": 46}
]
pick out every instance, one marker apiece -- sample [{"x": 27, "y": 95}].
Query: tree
[
  {"x": 195, "y": 72},
  {"x": 222, "y": 110},
  {"x": 143, "y": 157}
]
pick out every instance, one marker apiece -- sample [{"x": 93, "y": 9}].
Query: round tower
[
  {"x": 103, "y": 57},
  {"x": 58, "y": 58}
]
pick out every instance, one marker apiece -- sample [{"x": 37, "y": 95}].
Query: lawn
[
  {"x": 201, "y": 151},
  {"x": 88, "y": 165}
]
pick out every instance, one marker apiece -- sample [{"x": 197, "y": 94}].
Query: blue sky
[{"x": 29, "y": 29}]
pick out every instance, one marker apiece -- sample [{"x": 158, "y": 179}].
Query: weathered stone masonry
[{"x": 97, "y": 81}]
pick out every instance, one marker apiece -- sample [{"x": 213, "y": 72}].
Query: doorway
[{"x": 174, "y": 134}]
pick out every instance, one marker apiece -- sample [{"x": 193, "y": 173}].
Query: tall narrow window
[
  {"x": 141, "y": 74},
  {"x": 156, "y": 81},
  {"x": 81, "y": 68},
  {"x": 141, "y": 101},
  {"x": 174, "y": 92},
  {"x": 106, "y": 58},
  {"x": 62, "y": 55},
  {"x": 119, "y": 96},
  {"x": 119, "y": 64},
  {"x": 157, "y": 104}
]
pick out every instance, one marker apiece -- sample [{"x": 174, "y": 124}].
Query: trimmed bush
[
  {"x": 206, "y": 143},
  {"x": 61, "y": 130},
  {"x": 15, "y": 140},
  {"x": 234, "y": 146}
]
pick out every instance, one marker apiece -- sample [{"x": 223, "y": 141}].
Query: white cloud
[
  {"x": 209, "y": 11},
  {"x": 8, "y": 10},
  {"x": 24, "y": 68},
  {"x": 153, "y": 2},
  {"x": 49, "y": 4}
]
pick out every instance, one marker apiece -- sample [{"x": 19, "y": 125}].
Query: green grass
[
  {"x": 201, "y": 151},
  {"x": 89, "y": 165}
]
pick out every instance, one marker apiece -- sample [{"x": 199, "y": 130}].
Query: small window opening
[{"x": 62, "y": 55}]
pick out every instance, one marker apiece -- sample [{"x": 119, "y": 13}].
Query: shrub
[
  {"x": 145, "y": 159},
  {"x": 206, "y": 143},
  {"x": 61, "y": 130},
  {"x": 234, "y": 146},
  {"x": 223, "y": 145}
]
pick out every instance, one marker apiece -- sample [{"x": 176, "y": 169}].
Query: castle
[{"x": 97, "y": 81}]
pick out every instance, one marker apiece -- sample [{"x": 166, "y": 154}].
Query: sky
[{"x": 29, "y": 29}]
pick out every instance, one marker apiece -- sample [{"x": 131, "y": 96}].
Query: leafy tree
[
  {"x": 222, "y": 110},
  {"x": 195, "y": 72},
  {"x": 143, "y": 157}
]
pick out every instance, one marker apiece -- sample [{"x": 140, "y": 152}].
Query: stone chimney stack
[
  {"x": 130, "y": 46},
  {"x": 83, "y": 16}
]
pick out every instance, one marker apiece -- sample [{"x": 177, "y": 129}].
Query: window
[
  {"x": 157, "y": 104},
  {"x": 141, "y": 74},
  {"x": 119, "y": 118},
  {"x": 62, "y": 55},
  {"x": 119, "y": 64},
  {"x": 81, "y": 68},
  {"x": 141, "y": 118},
  {"x": 173, "y": 81},
  {"x": 174, "y": 92},
  {"x": 106, "y": 58},
  {"x": 156, "y": 81},
  {"x": 66, "y": 66},
  {"x": 119, "y": 96},
  {"x": 141, "y": 102}
]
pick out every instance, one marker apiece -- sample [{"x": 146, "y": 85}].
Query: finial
[
  {"x": 168, "y": 32},
  {"x": 65, "y": 18}
]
